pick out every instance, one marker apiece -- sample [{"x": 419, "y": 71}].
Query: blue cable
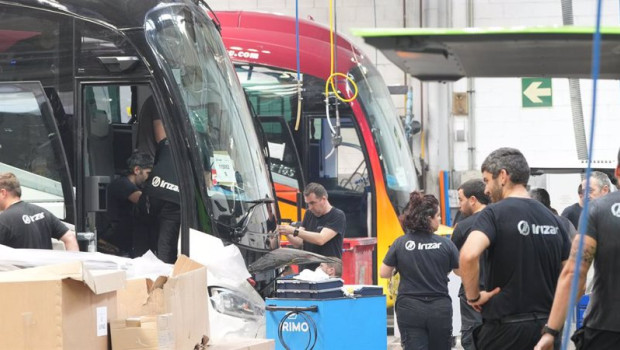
[
  {"x": 596, "y": 56},
  {"x": 297, "y": 38}
]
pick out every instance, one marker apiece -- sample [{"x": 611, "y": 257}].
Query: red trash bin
[{"x": 357, "y": 260}]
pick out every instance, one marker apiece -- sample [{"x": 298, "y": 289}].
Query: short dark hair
[
  {"x": 580, "y": 189},
  {"x": 140, "y": 159},
  {"x": 475, "y": 188},
  {"x": 511, "y": 160},
  {"x": 420, "y": 208},
  {"x": 318, "y": 190},
  {"x": 10, "y": 183},
  {"x": 541, "y": 195}
]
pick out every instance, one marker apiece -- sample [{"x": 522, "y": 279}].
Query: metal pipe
[
  {"x": 471, "y": 94},
  {"x": 575, "y": 94}
]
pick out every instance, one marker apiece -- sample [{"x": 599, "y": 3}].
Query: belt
[{"x": 518, "y": 318}]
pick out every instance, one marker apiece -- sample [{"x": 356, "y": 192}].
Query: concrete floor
[{"x": 394, "y": 344}]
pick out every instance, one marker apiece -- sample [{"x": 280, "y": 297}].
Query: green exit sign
[{"x": 536, "y": 92}]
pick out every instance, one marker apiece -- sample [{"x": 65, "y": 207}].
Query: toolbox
[
  {"x": 291, "y": 283},
  {"x": 364, "y": 290},
  {"x": 310, "y": 294}
]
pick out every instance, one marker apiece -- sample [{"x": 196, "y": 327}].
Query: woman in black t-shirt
[{"x": 424, "y": 260}]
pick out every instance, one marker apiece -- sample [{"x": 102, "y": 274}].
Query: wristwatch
[
  {"x": 296, "y": 232},
  {"x": 548, "y": 330}
]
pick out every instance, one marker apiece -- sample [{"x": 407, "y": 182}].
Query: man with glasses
[
  {"x": 25, "y": 225},
  {"x": 322, "y": 229}
]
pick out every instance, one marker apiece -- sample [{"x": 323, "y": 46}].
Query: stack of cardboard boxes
[{"x": 68, "y": 306}]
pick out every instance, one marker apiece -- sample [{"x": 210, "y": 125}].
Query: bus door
[
  {"x": 116, "y": 119},
  {"x": 285, "y": 166},
  {"x": 31, "y": 148},
  {"x": 342, "y": 170}
]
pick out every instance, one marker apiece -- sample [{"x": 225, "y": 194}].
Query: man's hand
[
  {"x": 285, "y": 229},
  {"x": 484, "y": 298},
  {"x": 545, "y": 342}
]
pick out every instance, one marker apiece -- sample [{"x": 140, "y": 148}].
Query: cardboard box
[
  {"x": 64, "y": 306},
  {"x": 184, "y": 295},
  {"x": 143, "y": 333},
  {"x": 243, "y": 344}
]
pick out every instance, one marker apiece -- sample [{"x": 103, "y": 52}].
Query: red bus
[{"x": 368, "y": 168}]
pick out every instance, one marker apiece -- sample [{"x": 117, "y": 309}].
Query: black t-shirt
[
  {"x": 335, "y": 220},
  {"x": 525, "y": 256},
  {"x": 604, "y": 227},
  {"x": 163, "y": 182},
  {"x": 25, "y": 225},
  {"x": 424, "y": 261},
  {"x": 573, "y": 213},
  {"x": 120, "y": 210},
  {"x": 459, "y": 236}
]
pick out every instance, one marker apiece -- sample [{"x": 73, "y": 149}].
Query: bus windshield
[
  {"x": 388, "y": 133},
  {"x": 187, "y": 46}
]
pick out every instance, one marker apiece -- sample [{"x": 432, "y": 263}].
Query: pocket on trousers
[{"x": 578, "y": 338}]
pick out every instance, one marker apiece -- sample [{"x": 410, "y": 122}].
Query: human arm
[
  {"x": 469, "y": 268},
  {"x": 288, "y": 231},
  {"x": 386, "y": 271},
  {"x": 390, "y": 261},
  {"x": 458, "y": 238},
  {"x": 562, "y": 291},
  {"x": 134, "y": 197},
  {"x": 318, "y": 238},
  {"x": 70, "y": 241}
]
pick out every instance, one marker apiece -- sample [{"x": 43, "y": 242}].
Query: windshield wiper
[
  {"x": 215, "y": 20},
  {"x": 242, "y": 225}
]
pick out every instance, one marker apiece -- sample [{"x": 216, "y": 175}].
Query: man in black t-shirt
[
  {"x": 601, "y": 326},
  {"x": 25, "y": 225},
  {"x": 123, "y": 194},
  {"x": 573, "y": 212},
  {"x": 323, "y": 227},
  {"x": 472, "y": 200},
  {"x": 526, "y": 248}
]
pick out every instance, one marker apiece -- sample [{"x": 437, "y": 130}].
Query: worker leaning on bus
[
  {"x": 323, "y": 227},
  {"x": 25, "y": 225}
]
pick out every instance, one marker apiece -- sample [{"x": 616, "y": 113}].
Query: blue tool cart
[{"x": 327, "y": 324}]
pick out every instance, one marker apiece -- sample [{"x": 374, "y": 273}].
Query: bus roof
[
  {"x": 269, "y": 39},
  {"x": 448, "y": 54},
  {"x": 121, "y": 14}
]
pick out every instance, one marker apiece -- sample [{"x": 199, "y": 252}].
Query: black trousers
[
  {"x": 589, "y": 338},
  {"x": 470, "y": 320},
  {"x": 509, "y": 335},
  {"x": 425, "y": 323}
]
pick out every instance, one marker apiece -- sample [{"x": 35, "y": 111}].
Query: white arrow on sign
[{"x": 534, "y": 93}]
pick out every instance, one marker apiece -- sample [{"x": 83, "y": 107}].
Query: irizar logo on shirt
[
  {"x": 158, "y": 182},
  {"x": 615, "y": 210},
  {"x": 28, "y": 219},
  {"x": 411, "y": 245},
  {"x": 525, "y": 229}
]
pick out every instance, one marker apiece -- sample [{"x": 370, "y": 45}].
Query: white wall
[{"x": 544, "y": 135}]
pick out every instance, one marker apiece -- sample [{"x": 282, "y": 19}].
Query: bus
[
  {"x": 76, "y": 79},
  {"x": 367, "y": 167}
]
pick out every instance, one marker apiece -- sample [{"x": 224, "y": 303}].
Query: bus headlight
[{"x": 232, "y": 303}]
